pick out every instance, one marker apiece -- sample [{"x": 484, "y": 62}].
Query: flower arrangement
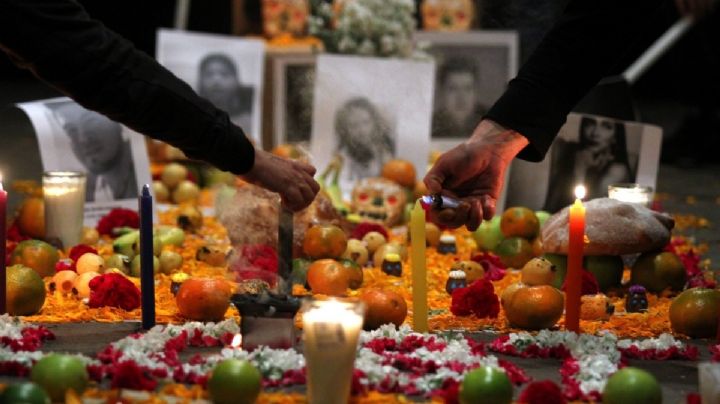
[{"x": 365, "y": 27}]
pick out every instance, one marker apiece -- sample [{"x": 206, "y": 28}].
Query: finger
[
  {"x": 474, "y": 216},
  {"x": 292, "y": 199},
  {"x": 306, "y": 167},
  {"x": 488, "y": 207},
  {"x": 455, "y": 218},
  {"x": 314, "y": 186},
  {"x": 308, "y": 195},
  {"x": 433, "y": 181}
]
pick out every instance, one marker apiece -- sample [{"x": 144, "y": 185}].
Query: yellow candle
[{"x": 419, "y": 269}]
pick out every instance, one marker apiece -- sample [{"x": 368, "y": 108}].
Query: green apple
[
  {"x": 486, "y": 385},
  {"x": 57, "y": 373},
  {"x": 632, "y": 385},
  {"x": 542, "y": 216},
  {"x": 170, "y": 261},
  {"x": 135, "y": 266},
  {"x": 119, "y": 261},
  {"x": 608, "y": 270},
  {"x": 488, "y": 235}
]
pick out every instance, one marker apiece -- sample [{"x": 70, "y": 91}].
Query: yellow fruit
[
  {"x": 473, "y": 270},
  {"x": 374, "y": 240},
  {"x": 538, "y": 271},
  {"x": 596, "y": 307},
  {"x": 81, "y": 286},
  {"x": 25, "y": 291},
  {"x": 400, "y": 171},
  {"x": 90, "y": 262},
  {"x": 31, "y": 217},
  {"x": 508, "y": 293},
  {"x": 63, "y": 281},
  {"x": 356, "y": 251}
]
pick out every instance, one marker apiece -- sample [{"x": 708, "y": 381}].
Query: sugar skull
[{"x": 379, "y": 200}]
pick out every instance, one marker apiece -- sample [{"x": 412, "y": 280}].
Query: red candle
[
  {"x": 573, "y": 282},
  {"x": 3, "y": 237}
]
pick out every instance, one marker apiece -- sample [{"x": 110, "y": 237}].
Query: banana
[{"x": 333, "y": 189}]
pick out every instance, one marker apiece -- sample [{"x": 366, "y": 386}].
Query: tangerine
[
  {"x": 535, "y": 307},
  {"x": 37, "y": 255},
  {"x": 328, "y": 277},
  {"x": 400, "y": 171},
  {"x": 324, "y": 241},
  {"x": 383, "y": 307},
  {"x": 694, "y": 312},
  {"x": 355, "y": 273},
  {"x": 519, "y": 222},
  {"x": 31, "y": 217},
  {"x": 25, "y": 291},
  {"x": 203, "y": 299}
]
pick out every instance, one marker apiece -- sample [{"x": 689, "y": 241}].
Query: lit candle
[
  {"x": 419, "y": 269},
  {"x": 64, "y": 200},
  {"x": 631, "y": 193},
  {"x": 331, "y": 329},
  {"x": 573, "y": 282},
  {"x": 3, "y": 237},
  {"x": 147, "y": 273}
]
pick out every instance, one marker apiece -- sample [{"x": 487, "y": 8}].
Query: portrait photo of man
[
  {"x": 99, "y": 145},
  {"x": 457, "y": 106}
]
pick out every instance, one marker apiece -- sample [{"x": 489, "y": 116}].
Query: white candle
[
  {"x": 631, "y": 193},
  {"x": 331, "y": 329},
  {"x": 64, "y": 196}
]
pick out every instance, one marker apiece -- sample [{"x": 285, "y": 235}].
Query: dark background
[{"x": 680, "y": 92}]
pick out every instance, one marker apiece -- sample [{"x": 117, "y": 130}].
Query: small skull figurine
[
  {"x": 379, "y": 200},
  {"x": 636, "y": 300}
]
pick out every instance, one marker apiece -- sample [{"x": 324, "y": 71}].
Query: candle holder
[
  {"x": 267, "y": 319},
  {"x": 331, "y": 329},
  {"x": 64, "y": 198},
  {"x": 631, "y": 193}
]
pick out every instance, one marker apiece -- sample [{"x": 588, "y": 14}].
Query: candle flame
[
  {"x": 236, "y": 341},
  {"x": 580, "y": 191}
]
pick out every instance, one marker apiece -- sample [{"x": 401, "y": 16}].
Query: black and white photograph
[
  {"x": 368, "y": 111},
  {"x": 472, "y": 71},
  {"x": 227, "y": 71},
  {"x": 113, "y": 158},
  {"x": 591, "y": 150},
  {"x": 294, "y": 81}
]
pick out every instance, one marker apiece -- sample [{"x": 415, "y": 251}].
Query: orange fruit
[
  {"x": 355, "y": 273},
  {"x": 420, "y": 190},
  {"x": 694, "y": 312},
  {"x": 535, "y": 307},
  {"x": 400, "y": 171},
  {"x": 509, "y": 292},
  {"x": 383, "y": 307},
  {"x": 31, "y": 217},
  {"x": 514, "y": 252},
  {"x": 324, "y": 241},
  {"x": 203, "y": 299},
  {"x": 37, "y": 255},
  {"x": 328, "y": 277},
  {"x": 25, "y": 291},
  {"x": 519, "y": 222}
]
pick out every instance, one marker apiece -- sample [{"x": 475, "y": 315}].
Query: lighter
[{"x": 438, "y": 201}]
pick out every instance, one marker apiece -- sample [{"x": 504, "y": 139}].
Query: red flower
[
  {"x": 9, "y": 248},
  {"x": 494, "y": 268},
  {"x": 114, "y": 290},
  {"x": 364, "y": 228},
  {"x": 693, "y": 398},
  {"x": 65, "y": 264},
  {"x": 479, "y": 298},
  {"x": 80, "y": 250},
  {"x": 118, "y": 217},
  {"x": 449, "y": 391},
  {"x": 542, "y": 392},
  {"x": 128, "y": 375},
  {"x": 589, "y": 284},
  {"x": 14, "y": 233}
]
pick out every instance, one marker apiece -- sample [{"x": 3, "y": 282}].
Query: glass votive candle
[
  {"x": 64, "y": 196},
  {"x": 331, "y": 329},
  {"x": 709, "y": 378},
  {"x": 631, "y": 193}
]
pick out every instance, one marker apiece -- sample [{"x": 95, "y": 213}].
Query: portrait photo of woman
[
  {"x": 365, "y": 138},
  {"x": 219, "y": 82},
  {"x": 598, "y": 159}
]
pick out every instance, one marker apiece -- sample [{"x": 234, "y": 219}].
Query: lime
[
  {"x": 25, "y": 291},
  {"x": 658, "y": 271},
  {"x": 486, "y": 385},
  {"x": 300, "y": 266},
  {"x": 57, "y": 373},
  {"x": 27, "y": 393},
  {"x": 632, "y": 385},
  {"x": 488, "y": 235},
  {"x": 542, "y": 217},
  {"x": 514, "y": 252},
  {"x": 234, "y": 381},
  {"x": 520, "y": 222},
  {"x": 608, "y": 270}
]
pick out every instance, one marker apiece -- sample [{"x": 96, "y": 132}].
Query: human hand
[
  {"x": 474, "y": 172},
  {"x": 293, "y": 180},
  {"x": 696, "y": 8}
]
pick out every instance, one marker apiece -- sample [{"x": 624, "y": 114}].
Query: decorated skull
[{"x": 379, "y": 200}]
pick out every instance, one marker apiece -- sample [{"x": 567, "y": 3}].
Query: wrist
[{"x": 507, "y": 143}]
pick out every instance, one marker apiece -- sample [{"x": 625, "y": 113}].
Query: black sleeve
[
  {"x": 64, "y": 47},
  {"x": 579, "y": 50}
]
